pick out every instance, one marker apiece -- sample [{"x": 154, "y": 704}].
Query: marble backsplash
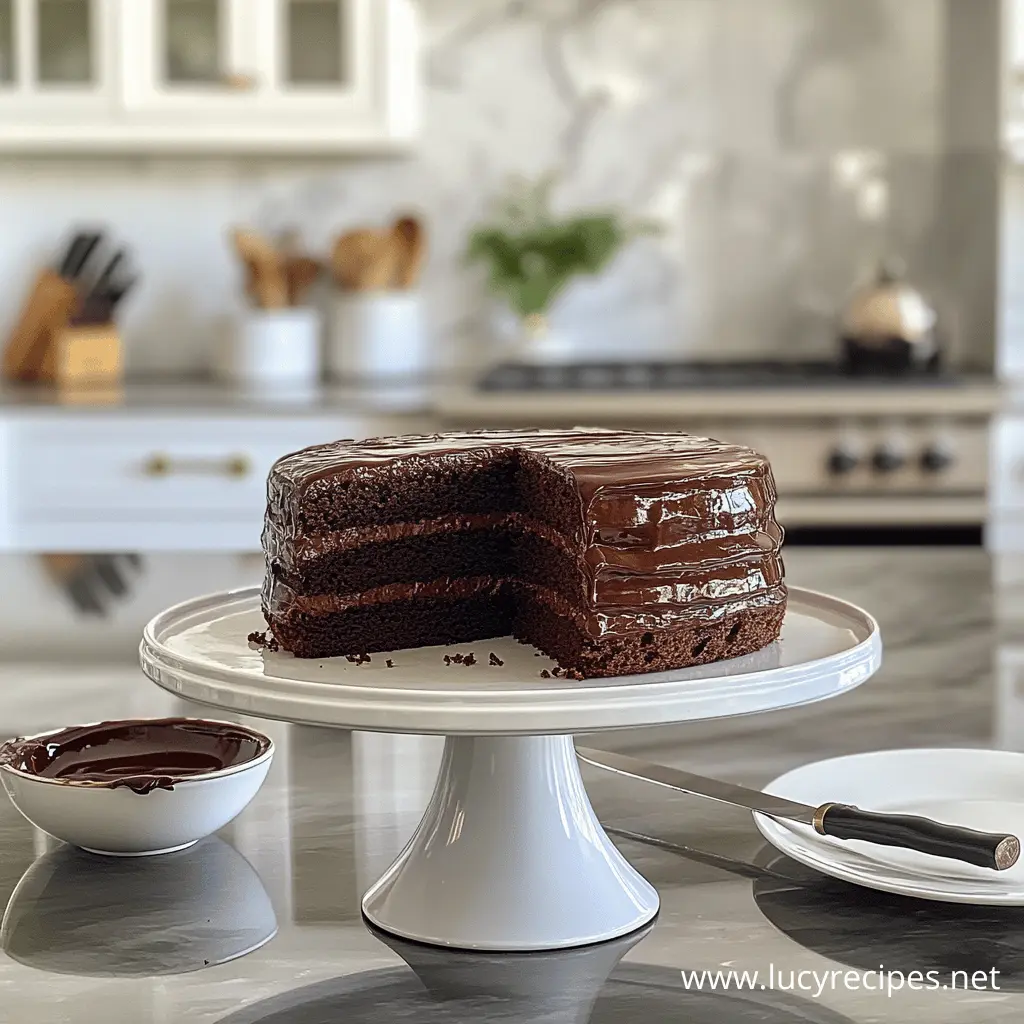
[{"x": 785, "y": 145}]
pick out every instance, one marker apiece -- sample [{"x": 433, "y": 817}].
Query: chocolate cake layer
[{"x": 608, "y": 536}]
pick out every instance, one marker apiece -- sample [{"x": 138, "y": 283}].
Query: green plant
[{"x": 531, "y": 256}]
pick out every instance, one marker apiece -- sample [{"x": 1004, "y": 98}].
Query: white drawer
[{"x": 119, "y": 467}]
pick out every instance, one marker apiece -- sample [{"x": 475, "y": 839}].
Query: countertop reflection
[{"x": 85, "y": 939}]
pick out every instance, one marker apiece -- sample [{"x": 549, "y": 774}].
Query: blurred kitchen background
[{"x": 233, "y": 228}]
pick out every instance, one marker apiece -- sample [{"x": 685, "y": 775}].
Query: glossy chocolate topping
[
  {"x": 141, "y": 755},
  {"x": 665, "y": 519}
]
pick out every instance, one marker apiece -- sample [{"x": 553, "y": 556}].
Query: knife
[
  {"x": 79, "y": 251},
  {"x": 998, "y": 851},
  {"x": 106, "y": 275}
]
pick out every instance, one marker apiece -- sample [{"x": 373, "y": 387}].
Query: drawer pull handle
[{"x": 235, "y": 466}]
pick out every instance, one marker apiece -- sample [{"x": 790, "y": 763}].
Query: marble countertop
[
  {"x": 262, "y": 923},
  {"x": 454, "y": 400},
  {"x": 189, "y": 397}
]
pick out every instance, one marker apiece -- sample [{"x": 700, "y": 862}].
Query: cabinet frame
[
  {"x": 26, "y": 101},
  {"x": 131, "y": 112}
]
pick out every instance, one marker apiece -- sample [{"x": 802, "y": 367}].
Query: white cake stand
[{"x": 509, "y": 854}]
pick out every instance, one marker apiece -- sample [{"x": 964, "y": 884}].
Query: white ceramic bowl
[{"x": 119, "y": 822}]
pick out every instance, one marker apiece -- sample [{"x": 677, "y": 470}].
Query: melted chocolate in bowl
[{"x": 141, "y": 755}]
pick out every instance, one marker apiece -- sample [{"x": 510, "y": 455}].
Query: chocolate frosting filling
[
  {"x": 293, "y": 553},
  {"x": 611, "y": 620},
  {"x": 141, "y": 754},
  {"x": 670, "y": 526}
]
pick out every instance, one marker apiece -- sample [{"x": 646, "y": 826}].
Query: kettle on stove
[{"x": 889, "y": 327}]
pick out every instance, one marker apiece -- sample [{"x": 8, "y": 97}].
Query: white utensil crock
[
  {"x": 377, "y": 335},
  {"x": 276, "y": 346}
]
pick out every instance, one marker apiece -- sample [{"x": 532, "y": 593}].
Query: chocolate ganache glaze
[
  {"x": 140, "y": 754},
  {"x": 665, "y": 528}
]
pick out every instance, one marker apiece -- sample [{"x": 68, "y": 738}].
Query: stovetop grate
[{"x": 664, "y": 375}]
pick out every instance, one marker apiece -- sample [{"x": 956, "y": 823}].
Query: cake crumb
[
  {"x": 263, "y": 640},
  {"x": 389, "y": 663},
  {"x": 358, "y": 659},
  {"x": 469, "y": 659},
  {"x": 574, "y": 673},
  {"x": 545, "y": 674},
  {"x": 447, "y": 659},
  {"x": 493, "y": 659}
]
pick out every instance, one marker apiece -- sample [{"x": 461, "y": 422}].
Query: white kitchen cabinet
[
  {"x": 208, "y": 75},
  {"x": 55, "y": 64},
  {"x": 147, "y": 483},
  {"x": 160, "y": 475},
  {"x": 1013, "y": 88}
]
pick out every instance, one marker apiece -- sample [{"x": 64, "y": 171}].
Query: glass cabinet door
[
  {"x": 53, "y": 55},
  {"x": 65, "y": 43},
  {"x": 8, "y": 68},
  {"x": 206, "y": 43},
  {"x": 195, "y": 54},
  {"x": 314, "y": 44},
  {"x": 320, "y": 54},
  {"x": 192, "y": 37}
]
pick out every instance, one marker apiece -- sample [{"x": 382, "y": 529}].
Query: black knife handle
[{"x": 986, "y": 849}]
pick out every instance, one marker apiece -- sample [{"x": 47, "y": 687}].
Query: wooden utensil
[
  {"x": 381, "y": 266},
  {"x": 266, "y": 281},
  {"x": 364, "y": 259},
  {"x": 410, "y": 236},
  {"x": 346, "y": 260},
  {"x": 301, "y": 273}
]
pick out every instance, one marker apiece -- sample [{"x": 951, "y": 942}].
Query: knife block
[
  {"x": 83, "y": 355},
  {"x": 50, "y": 305}
]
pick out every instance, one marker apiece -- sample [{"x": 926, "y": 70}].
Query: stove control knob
[
  {"x": 936, "y": 459},
  {"x": 888, "y": 460},
  {"x": 842, "y": 462}
]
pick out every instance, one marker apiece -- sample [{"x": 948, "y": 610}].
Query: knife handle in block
[
  {"x": 48, "y": 308},
  {"x": 998, "y": 851}
]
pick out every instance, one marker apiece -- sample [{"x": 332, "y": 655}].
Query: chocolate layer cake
[{"x": 612, "y": 552}]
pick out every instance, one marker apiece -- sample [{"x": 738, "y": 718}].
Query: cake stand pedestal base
[{"x": 510, "y": 856}]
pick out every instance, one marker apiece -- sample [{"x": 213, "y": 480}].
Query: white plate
[
  {"x": 981, "y": 789},
  {"x": 199, "y": 650}
]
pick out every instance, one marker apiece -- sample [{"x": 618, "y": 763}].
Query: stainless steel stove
[
  {"x": 847, "y": 449},
  {"x": 680, "y": 375}
]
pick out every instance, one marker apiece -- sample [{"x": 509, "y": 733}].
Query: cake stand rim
[{"x": 592, "y": 705}]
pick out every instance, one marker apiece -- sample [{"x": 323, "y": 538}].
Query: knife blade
[{"x": 997, "y": 851}]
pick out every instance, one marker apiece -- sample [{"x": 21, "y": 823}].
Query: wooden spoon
[
  {"x": 364, "y": 259},
  {"x": 266, "y": 282},
  {"x": 382, "y": 263},
  {"x": 302, "y": 273},
  {"x": 411, "y": 239},
  {"x": 346, "y": 260}
]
